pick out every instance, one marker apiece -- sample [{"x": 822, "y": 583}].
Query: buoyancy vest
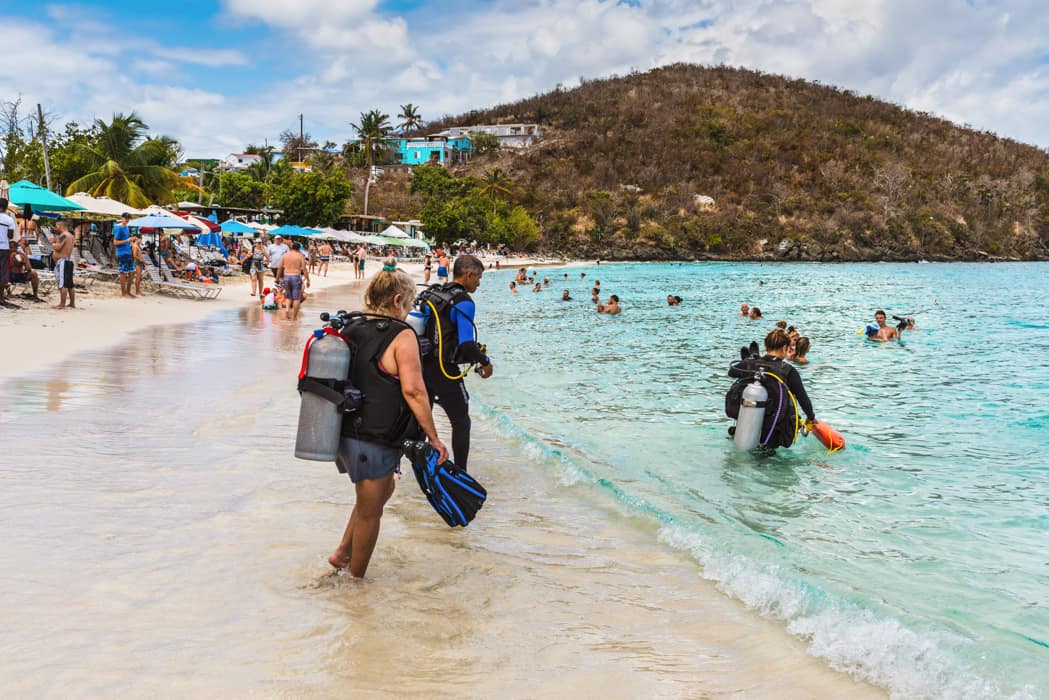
[
  {"x": 444, "y": 297},
  {"x": 780, "y": 419},
  {"x": 384, "y": 416}
]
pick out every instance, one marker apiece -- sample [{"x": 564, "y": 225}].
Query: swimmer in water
[
  {"x": 612, "y": 307},
  {"x": 801, "y": 349},
  {"x": 513, "y": 287},
  {"x": 755, "y": 314},
  {"x": 538, "y": 287},
  {"x": 885, "y": 333},
  {"x": 744, "y": 310},
  {"x": 565, "y": 296}
]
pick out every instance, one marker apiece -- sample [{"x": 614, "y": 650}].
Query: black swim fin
[
  {"x": 454, "y": 494},
  {"x": 755, "y": 351}
]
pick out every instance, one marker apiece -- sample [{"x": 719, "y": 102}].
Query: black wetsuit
[
  {"x": 785, "y": 371},
  {"x": 460, "y": 344}
]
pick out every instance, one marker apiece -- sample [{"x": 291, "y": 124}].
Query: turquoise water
[{"x": 915, "y": 559}]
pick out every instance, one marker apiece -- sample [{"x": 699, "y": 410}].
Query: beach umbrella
[
  {"x": 25, "y": 193},
  {"x": 204, "y": 225},
  {"x": 5, "y": 189},
  {"x": 394, "y": 232},
  {"x": 234, "y": 226},
  {"x": 161, "y": 221},
  {"x": 100, "y": 207}
]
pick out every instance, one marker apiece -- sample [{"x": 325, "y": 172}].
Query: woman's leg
[{"x": 362, "y": 530}]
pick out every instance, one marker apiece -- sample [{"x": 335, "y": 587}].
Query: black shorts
[{"x": 64, "y": 273}]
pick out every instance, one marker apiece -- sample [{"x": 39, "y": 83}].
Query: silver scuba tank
[
  {"x": 417, "y": 319},
  {"x": 320, "y": 420},
  {"x": 751, "y": 416}
]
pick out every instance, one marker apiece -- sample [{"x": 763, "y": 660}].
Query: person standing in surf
[{"x": 396, "y": 407}]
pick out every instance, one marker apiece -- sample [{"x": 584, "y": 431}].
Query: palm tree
[
  {"x": 262, "y": 168},
  {"x": 410, "y": 118},
  {"x": 496, "y": 185},
  {"x": 128, "y": 166},
  {"x": 373, "y": 135}
]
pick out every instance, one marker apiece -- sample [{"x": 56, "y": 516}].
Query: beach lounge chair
[{"x": 183, "y": 289}]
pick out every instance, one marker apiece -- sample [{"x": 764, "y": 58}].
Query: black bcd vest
[{"x": 384, "y": 416}]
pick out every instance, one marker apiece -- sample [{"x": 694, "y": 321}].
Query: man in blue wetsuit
[{"x": 457, "y": 344}]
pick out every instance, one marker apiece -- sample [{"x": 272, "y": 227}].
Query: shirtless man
[
  {"x": 612, "y": 307},
  {"x": 22, "y": 271},
  {"x": 62, "y": 242},
  {"x": 744, "y": 309},
  {"x": 324, "y": 257},
  {"x": 885, "y": 333},
  {"x": 442, "y": 267},
  {"x": 292, "y": 269}
]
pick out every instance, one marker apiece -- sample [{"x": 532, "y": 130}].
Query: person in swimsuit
[
  {"x": 294, "y": 270},
  {"x": 362, "y": 253},
  {"x": 323, "y": 258},
  {"x": 442, "y": 268},
  {"x": 140, "y": 263},
  {"x": 427, "y": 265}
]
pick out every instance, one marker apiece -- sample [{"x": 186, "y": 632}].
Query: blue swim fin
[{"x": 454, "y": 494}]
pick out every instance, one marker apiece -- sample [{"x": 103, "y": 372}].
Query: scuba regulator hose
[{"x": 440, "y": 345}]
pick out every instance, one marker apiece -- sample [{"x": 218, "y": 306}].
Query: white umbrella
[
  {"x": 394, "y": 232},
  {"x": 102, "y": 206}
]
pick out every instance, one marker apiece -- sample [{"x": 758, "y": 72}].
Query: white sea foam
[{"x": 851, "y": 639}]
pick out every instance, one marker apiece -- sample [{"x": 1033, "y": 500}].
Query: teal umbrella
[
  {"x": 25, "y": 193},
  {"x": 234, "y": 226}
]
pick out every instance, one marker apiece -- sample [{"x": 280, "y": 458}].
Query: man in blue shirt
[{"x": 122, "y": 246}]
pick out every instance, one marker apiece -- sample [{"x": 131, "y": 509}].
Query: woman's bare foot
[{"x": 337, "y": 563}]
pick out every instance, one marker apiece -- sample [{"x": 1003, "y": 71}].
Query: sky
[{"x": 220, "y": 74}]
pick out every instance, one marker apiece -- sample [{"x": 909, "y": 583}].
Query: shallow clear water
[
  {"x": 160, "y": 540},
  {"x": 916, "y": 558}
]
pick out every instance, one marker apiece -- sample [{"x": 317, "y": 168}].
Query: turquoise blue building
[{"x": 438, "y": 150}]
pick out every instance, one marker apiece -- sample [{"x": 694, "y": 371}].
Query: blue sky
[{"x": 219, "y": 74}]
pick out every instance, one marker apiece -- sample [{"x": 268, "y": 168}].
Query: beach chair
[{"x": 185, "y": 289}]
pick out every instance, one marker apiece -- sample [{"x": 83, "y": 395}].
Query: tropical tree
[
  {"x": 129, "y": 166},
  {"x": 373, "y": 135},
  {"x": 410, "y": 118},
  {"x": 262, "y": 169},
  {"x": 495, "y": 186}
]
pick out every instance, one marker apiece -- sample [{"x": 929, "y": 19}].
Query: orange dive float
[{"x": 830, "y": 437}]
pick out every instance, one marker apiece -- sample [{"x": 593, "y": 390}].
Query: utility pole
[
  {"x": 302, "y": 137},
  {"x": 43, "y": 140}
]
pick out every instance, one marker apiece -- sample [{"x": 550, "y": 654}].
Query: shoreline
[{"x": 40, "y": 336}]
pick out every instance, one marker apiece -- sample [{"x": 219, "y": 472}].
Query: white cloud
[
  {"x": 214, "y": 58},
  {"x": 979, "y": 63}
]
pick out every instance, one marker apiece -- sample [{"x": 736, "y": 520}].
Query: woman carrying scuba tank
[
  {"x": 387, "y": 368},
  {"x": 777, "y": 347}
]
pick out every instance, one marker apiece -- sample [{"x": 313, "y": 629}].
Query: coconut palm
[
  {"x": 262, "y": 168},
  {"x": 410, "y": 118},
  {"x": 128, "y": 166},
  {"x": 373, "y": 135},
  {"x": 496, "y": 184}
]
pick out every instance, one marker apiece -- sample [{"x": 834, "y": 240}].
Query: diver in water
[{"x": 777, "y": 347}]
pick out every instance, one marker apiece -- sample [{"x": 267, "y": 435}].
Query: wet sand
[{"x": 161, "y": 540}]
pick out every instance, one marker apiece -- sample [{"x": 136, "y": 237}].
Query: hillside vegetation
[{"x": 797, "y": 170}]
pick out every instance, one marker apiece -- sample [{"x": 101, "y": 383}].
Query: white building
[
  {"x": 240, "y": 161},
  {"x": 509, "y": 135}
]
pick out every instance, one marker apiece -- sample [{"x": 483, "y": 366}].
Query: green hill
[{"x": 797, "y": 170}]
